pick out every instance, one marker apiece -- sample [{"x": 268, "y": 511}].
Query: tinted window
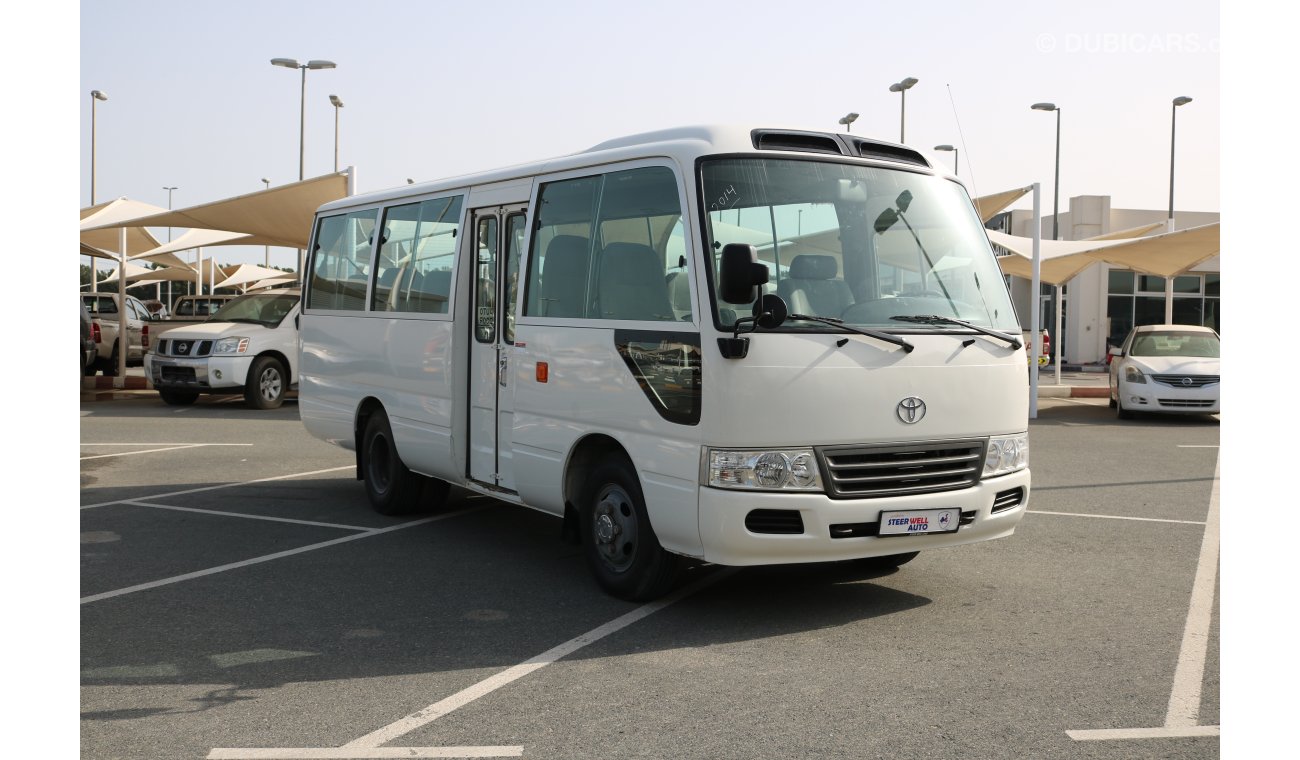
[
  {"x": 601, "y": 246},
  {"x": 341, "y": 261},
  {"x": 413, "y": 267}
]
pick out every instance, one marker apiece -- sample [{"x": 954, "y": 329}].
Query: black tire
[
  {"x": 391, "y": 487},
  {"x": 622, "y": 550},
  {"x": 1121, "y": 412},
  {"x": 888, "y": 562},
  {"x": 178, "y": 398},
  {"x": 1112, "y": 401},
  {"x": 266, "y": 384},
  {"x": 109, "y": 368}
]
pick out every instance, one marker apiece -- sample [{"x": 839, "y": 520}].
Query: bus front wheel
[{"x": 621, "y": 547}]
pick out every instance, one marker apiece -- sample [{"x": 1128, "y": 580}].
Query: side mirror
[
  {"x": 740, "y": 274},
  {"x": 770, "y": 311}
]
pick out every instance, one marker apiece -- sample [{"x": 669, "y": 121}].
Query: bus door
[{"x": 499, "y": 234}]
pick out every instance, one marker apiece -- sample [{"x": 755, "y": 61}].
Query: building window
[{"x": 1135, "y": 299}]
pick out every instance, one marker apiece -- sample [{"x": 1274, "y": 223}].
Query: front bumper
[
  {"x": 205, "y": 374},
  {"x": 1152, "y": 396},
  {"x": 728, "y": 542}
]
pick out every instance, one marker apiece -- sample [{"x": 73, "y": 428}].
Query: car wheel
[
  {"x": 888, "y": 562},
  {"x": 622, "y": 550},
  {"x": 267, "y": 382},
  {"x": 391, "y": 487},
  {"x": 109, "y": 368},
  {"x": 178, "y": 398}
]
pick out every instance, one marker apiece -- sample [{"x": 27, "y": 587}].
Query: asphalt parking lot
[{"x": 240, "y": 600}]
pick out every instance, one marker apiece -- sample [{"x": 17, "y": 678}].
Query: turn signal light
[{"x": 543, "y": 372}]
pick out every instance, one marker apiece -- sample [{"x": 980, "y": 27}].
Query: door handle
[{"x": 501, "y": 369}]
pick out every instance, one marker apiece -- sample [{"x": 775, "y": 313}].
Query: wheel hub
[{"x": 614, "y": 528}]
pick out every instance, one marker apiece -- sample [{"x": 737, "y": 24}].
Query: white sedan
[{"x": 1173, "y": 369}]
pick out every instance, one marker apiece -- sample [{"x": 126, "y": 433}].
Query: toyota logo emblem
[{"x": 911, "y": 410}]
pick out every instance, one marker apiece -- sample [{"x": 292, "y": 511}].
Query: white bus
[{"x": 740, "y": 346}]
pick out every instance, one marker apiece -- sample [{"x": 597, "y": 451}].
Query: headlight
[
  {"x": 1133, "y": 374},
  {"x": 231, "y": 346},
  {"x": 781, "y": 470},
  {"x": 1005, "y": 454}
]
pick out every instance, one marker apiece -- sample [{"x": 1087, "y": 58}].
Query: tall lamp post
[
  {"x": 956, "y": 160},
  {"x": 1181, "y": 100},
  {"x": 266, "y": 249},
  {"x": 334, "y": 101},
  {"x": 292, "y": 63},
  {"x": 847, "y": 120},
  {"x": 1056, "y": 222},
  {"x": 902, "y": 87},
  {"x": 94, "y": 95},
  {"x": 169, "y": 239},
  {"x": 1056, "y": 192}
]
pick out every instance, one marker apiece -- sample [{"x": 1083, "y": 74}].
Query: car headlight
[
  {"x": 234, "y": 345},
  {"x": 769, "y": 470},
  {"x": 1006, "y": 453},
  {"x": 1133, "y": 374}
]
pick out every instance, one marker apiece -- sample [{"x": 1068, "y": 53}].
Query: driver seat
[{"x": 812, "y": 288}]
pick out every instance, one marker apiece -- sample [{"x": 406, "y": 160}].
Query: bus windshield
[{"x": 855, "y": 243}]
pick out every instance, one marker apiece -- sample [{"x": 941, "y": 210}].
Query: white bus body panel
[
  {"x": 591, "y": 391},
  {"x": 406, "y": 364}
]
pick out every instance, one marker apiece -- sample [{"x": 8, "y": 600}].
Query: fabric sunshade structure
[
  {"x": 277, "y": 216},
  {"x": 1166, "y": 255},
  {"x": 134, "y": 272},
  {"x": 251, "y": 273},
  {"x": 990, "y": 206},
  {"x": 99, "y": 236}
]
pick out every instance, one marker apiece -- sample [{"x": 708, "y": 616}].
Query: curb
[{"x": 128, "y": 382}]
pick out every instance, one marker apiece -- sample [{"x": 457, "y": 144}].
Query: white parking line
[
  {"x": 246, "y": 516},
  {"x": 368, "y": 746},
  {"x": 218, "y": 488},
  {"x": 1184, "y": 710},
  {"x": 268, "y": 557},
  {"x": 146, "y": 451},
  {"x": 1114, "y": 517},
  {"x": 168, "y": 443},
  {"x": 312, "y": 753}
]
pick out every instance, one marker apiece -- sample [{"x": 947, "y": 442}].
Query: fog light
[{"x": 216, "y": 373}]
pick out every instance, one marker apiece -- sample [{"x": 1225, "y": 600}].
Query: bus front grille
[{"x": 866, "y": 472}]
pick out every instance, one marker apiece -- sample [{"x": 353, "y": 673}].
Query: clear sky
[{"x": 437, "y": 88}]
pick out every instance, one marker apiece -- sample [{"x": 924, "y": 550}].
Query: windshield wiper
[
  {"x": 936, "y": 319},
  {"x": 833, "y": 322}
]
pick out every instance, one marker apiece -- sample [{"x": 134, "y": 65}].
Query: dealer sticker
[{"x": 914, "y": 522}]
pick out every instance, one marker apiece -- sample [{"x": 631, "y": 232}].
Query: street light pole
[
  {"x": 847, "y": 120},
  {"x": 1056, "y": 192},
  {"x": 292, "y": 63},
  {"x": 902, "y": 87},
  {"x": 956, "y": 161},
  {"x": 94, "y": 95},
  {"x": 1181, "y": 100},
  {"x": 266, "y": 253},
  {"x": 169, "y": 239},
  {"x": 334, "y": 100},
  {"x": 1173, "y": 125}
]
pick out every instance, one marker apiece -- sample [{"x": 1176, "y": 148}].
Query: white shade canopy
[
  {"x": 1165, "y": 255},
  {"x": 276, "y": 216}
]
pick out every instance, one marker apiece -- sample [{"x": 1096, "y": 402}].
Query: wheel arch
[
  {"x": 587, "y": 453},
  {"x": 368, "y": 406}
]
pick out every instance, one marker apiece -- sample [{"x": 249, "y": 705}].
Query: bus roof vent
[
  {"x": 805, "y": 142},
  {"x": 886, "y": 151}
]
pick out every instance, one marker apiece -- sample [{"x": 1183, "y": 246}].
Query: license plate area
[{"x": 919, "y": 522}]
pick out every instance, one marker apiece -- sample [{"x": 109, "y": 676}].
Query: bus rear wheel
[
  {"x": 622, "y": 550},
  {"x": 392, "y": 488}
]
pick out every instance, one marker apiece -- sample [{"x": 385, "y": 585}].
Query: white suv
[{"x": 249, "y": 345}]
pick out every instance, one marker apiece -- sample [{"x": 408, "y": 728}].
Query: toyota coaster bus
[{"x": 743, "y": 346}]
